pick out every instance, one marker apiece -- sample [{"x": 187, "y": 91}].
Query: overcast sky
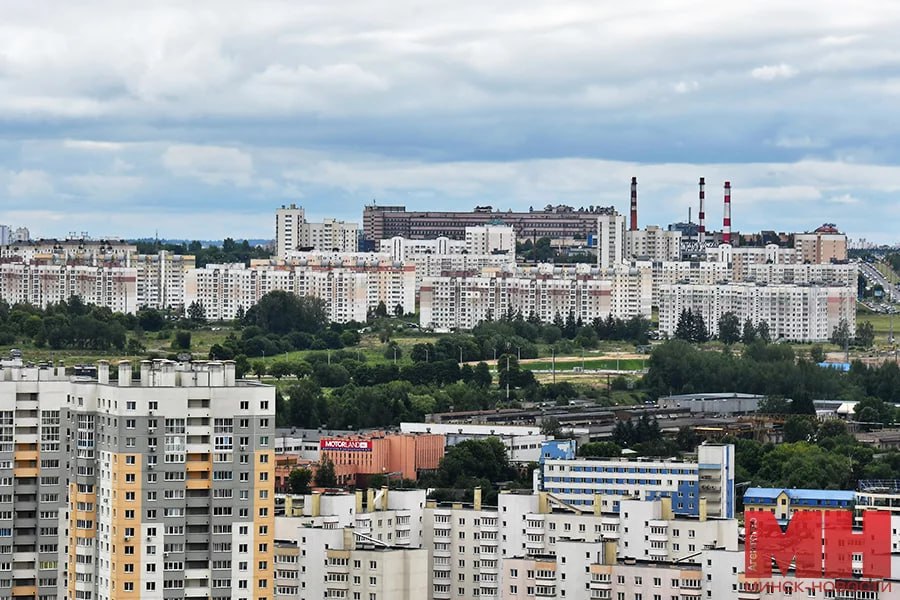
[{"x": 197, "y": 119}]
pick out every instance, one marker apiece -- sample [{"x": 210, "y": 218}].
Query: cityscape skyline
[{"x": 220, "y": 113}]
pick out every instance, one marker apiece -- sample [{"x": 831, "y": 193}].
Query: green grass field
[
  {"x": 880, "y": 322},
  {"x": 596, "y": 364}
]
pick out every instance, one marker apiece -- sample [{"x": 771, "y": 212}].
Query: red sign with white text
[
  {"x": 800, "y": 545},
  {"x": 341, "y": 445}
]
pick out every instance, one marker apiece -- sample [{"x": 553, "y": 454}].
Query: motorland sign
[
  {"x": 818, "y": 545},
  {"x": 345, "y": 445}
]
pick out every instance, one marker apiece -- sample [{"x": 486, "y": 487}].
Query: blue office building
[{"x": 702, "y": 487}]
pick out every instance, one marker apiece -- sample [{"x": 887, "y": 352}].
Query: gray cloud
[{"x": 236, "y": 106}]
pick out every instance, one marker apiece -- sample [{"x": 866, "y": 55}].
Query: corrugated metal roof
[{"x": 793, "y": 494}]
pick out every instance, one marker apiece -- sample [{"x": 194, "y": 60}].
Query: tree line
[{"x": 230, "y": 251}]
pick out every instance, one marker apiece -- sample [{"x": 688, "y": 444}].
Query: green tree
[
  {"x": 196, "y": 312},
  {"x": 473, "y": 460},
  {"x": 798, "y": 429},
  {"x": 775, "y": 405},
  {"x": 762, "y": 332},
  {"x": 865, "y": 334},
  {"x": 684, "y": 330},
  {"x": 182, "y": 340},
  {"x": 259, "y": 368},
  {"x": 325, "y": 475},
  {"x": 551, "y": 427},
  {"x": 599, "y": 450},
  {"x": 841, "y": 334},
  {"x": 687, "y": 439},
  {"x": 299, "y": 480},
  {"x": 874, "y": 410},
  {"x": 282, "y": 312},
  {"x": 699, "y": 330},
  {"x": 482, "y": 375},
  {"x": 729, "y": 328},
  {"x": 748, "y": 335},
  {"x": 817, "y": 353},
  {"x": 280, "y": 368},
  {"x": 381, "y": 310}
]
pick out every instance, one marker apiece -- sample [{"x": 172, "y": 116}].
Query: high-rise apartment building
[
  {"x": 653, "y": 243},
  {"x": 294, "y": 234},
  {"x": 610, "y": 239},
  {"x": 825, "y": 244},
  {"x": 490, "y": 239},
  {"x": 289, "y": 223},
  {"x": 349, "y": 284},
  {"x": 160, "y": 486},
  {"x": 462, "y": 302},
  {"x": 803, "y": 313},
  {"x": 160, "y": 279},
  {"x": 44, "y": 284}
]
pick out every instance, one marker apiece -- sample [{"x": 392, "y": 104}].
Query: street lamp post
[
  {"x": 507, "y": 376},
  {"x": 553, "y": 363}
]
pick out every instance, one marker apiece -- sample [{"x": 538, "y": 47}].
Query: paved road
[{"x": 892, "y": 292}]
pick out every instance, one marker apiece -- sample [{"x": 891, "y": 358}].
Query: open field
[
  {"x": 571, "y": 363},
  {"x": 201, "y": 341},
  {"x": 880, "y": 322}
]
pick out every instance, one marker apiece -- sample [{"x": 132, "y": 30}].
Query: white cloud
[
  {"x": 773, "y": 72},
  {"x": 685, "y": 87},
  {"x": 803, "y": 141},
  {"x": 93, "y": 145},
  {"x": 96, "y": 185},
  {"x": 213, "y": 165},
  {"x": 29, "y": 184},
  {"x": 846, "y": 199}
]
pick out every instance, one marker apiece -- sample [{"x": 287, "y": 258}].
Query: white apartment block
[
  {"x": 160, "y": 279},
  {"x": 491, "y": 239},
  {"x": 793, "y": 312},
  {"x": 829, "y": 274},
  {"x": 653, "y": 243},
  {"x": 340, "y": 545},
  {"x": 350, "y": 286},
  {"x": 83, "y": 252},
  {"x": 330, "y": 235},
  {"x": 41, "y": 285},
  {"x": 155, "y": 487},
  {"x": 403, "y": 249},
  {"x": 695, "y": 272},
  {"x": 610, "y": 240},
  {"x": 289, "y": 223},
  {"x": 741, "y": 257},
  {"x": 531, "y": 545},
  {"x": 294, "y": 234},
  {"x": 462, "y": 302},
  {"x": 19, "y": 235}
]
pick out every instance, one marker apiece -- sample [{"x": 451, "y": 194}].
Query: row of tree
[
  {"x": 691, "y": 327},
  {"x": 774, "y": 370},
  {"x": 230, "y": 251}
]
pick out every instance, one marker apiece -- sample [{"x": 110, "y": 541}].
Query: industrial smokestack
[
  {"x": 701, "y": 230},
  {"x": 634, "y": 223},
  {"x": 726, "y": 220}
]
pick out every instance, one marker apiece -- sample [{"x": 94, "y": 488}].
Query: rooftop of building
[{"x": 798, "y": 494}]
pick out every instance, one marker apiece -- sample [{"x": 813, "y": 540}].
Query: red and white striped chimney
[
  {"x": 726, "y": 220},
  {"x": 634, "y": 223},
  {"x": 701, "y": 230}
]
